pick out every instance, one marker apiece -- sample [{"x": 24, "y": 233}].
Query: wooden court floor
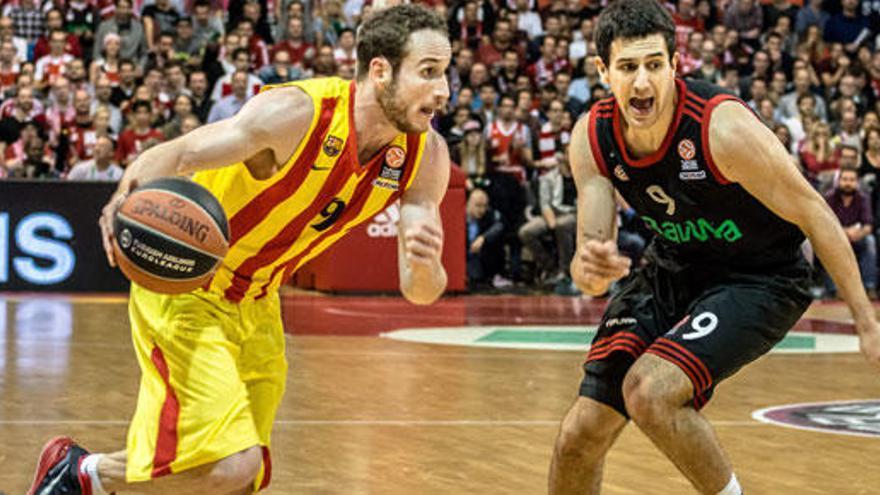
[{"x": 370, "y": 415}]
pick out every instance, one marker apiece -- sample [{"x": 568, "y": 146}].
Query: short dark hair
[
  {"x": 631, "y": 19},
  {"x": 386, "y": 34},
  {"x": 138, "y": 104},
  {"x": 849, "y": 168},
  {"x": 805, "y": 96},
  {"x": 238, "y": 51},
  {"x": 847, "y": 146}
]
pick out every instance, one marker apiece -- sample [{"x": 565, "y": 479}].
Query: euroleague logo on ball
[
  {"x": 686, "y": 149},
  {"x": 125, "y": 239}
]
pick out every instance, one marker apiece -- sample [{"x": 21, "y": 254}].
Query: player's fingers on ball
[{"x": 108, "y": 250}]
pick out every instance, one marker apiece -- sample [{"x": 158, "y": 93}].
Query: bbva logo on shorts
[{"x": 385, "y": 223}]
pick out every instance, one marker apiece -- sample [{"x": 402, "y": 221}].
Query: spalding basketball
[{"x": 170, "y": 235}]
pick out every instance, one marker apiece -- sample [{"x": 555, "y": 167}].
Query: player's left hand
[
  {"x": 423, "y": 243},
  {"x": 869, "y": 342}
]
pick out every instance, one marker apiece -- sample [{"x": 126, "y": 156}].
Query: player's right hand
[
  {"x": 596, "y": 265},
  {"x": 106, "y": 222}
]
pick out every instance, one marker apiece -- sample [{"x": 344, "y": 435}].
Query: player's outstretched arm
[
  {"x": 596, "y": 263},
  {"x": 765, "y": 170},
  {"x": 269, "y": 126},
  {"x": 420, "y": 232}
]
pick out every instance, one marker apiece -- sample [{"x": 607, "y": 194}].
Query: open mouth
[
  {"x": 427, "y": 112},
  {"x": 641, "y": 106}
]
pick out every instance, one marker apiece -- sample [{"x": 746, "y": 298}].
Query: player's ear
[
  {"x": 603, "y": 70},
  {"x": 381, "y": 72},
  {"x": 674, "y": 62}
]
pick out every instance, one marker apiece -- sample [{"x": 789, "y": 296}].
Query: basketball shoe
[{"x": 58, "y": 470}]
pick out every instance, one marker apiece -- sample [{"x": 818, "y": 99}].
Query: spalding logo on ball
[{"x": 171, "y": 234}]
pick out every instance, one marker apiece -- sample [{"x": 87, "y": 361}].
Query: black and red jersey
[{"x": 699, "y": 216}]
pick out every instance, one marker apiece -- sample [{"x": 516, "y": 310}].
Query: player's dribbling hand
[
  {"x": 423, "y": 243},
  {"x": 596, "y": 265},
  {"x": 106, "y": 222}
]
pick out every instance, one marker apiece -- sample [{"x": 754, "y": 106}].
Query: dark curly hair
[
  {"x": 629, "y": 19},
  {"x": 386, "y": 34}
]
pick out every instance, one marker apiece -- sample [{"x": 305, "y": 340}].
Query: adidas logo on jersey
[{"x": 385, "y": 223}]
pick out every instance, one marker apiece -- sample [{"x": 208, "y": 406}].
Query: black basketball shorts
[{"x": 709, "y": 322}]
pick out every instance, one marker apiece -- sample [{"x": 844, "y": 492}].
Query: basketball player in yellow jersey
[{"x": 296, "y": 168}]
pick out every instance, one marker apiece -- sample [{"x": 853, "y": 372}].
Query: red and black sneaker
[{"x": 58, "y": 470}]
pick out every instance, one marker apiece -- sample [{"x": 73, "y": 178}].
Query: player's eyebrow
[
  {"x": 632, "y": 59},
  {"x": 429, "y": 60}
]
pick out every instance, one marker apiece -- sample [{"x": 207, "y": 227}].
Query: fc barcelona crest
[{"x": 332, "y": 146}]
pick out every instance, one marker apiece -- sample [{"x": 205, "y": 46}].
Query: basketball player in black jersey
[{"x": 725, "y": 279}]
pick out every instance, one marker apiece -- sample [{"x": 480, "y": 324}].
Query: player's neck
[
  {"x": 645, "y": 141},
  {"x": 372, "y": 129}
]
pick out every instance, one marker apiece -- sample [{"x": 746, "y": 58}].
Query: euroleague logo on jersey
[
  {"x": 690, "y": 168},
  {"x": 686, "y": 149},
  {"x": 394, "y": 157},
  {"x": 392, "y": 169}
]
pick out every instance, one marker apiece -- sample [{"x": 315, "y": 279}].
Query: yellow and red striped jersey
[{"x": 321, "y": 192}]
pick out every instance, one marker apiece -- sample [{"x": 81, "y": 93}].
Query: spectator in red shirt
[
  {"x": 60, "y": 113},
  {"x": 9, "y": 67},
  {"x": 23, "y": 107},
  {"x": 131, "y": 141},
  {"x": 223, "y": 86},
  {"x": 541, "y": 72},
  {"x": 346, "y": 53},
  {"x": 690, "y": 60},
  {"x": 686, "y": 22},
  {"x": 54, "y": 64},
  {"x": 502, "y": 39},
  {"x": 257, "y": 48},
  {"x": 83, "y": 133},
  {"x": 55, "y": 22},
  {"x": 817, "y": 157},
  {"x": 301, "y": 52}
]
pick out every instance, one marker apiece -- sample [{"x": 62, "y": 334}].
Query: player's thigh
[
  {"x": 730, "y": 326},
  {"x": 630, "y": 324},
  {"x": 193, "y": 406},
  {"x": 263, "y": 364}
]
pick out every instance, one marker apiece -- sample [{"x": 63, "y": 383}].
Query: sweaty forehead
[
  {"x": 427, "y": 44},
  {"x": 638, "y": 48}
]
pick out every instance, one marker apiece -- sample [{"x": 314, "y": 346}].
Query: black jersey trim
[
  {"x": 658, "y": 155},
  {"x": 704, "y": 134},
  {"x": 598, "y": 157}
]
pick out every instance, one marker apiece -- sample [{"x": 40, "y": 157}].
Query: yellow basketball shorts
[{"x": 212, "y": 377}]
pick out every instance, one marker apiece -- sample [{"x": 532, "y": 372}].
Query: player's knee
[
  {"x": 236, "y": 471},
  {"x": 580, "y": 435},
  {"x": 645, "y": 401}
]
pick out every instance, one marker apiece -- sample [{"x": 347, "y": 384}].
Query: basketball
[{"x": 170, "y": 235}]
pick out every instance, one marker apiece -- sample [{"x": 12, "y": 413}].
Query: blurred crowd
[{"x": 87, "y": 85}]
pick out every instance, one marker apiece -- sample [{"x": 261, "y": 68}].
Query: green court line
[
  {"x": 538, "y": 336},
  {"x": 797, "y": 342}
]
